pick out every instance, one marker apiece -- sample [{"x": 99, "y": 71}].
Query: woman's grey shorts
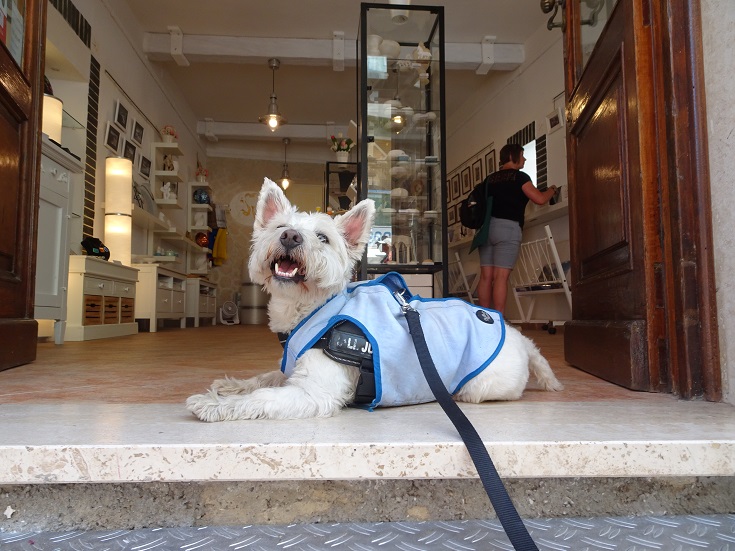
[{"x": 502, "y": 245}]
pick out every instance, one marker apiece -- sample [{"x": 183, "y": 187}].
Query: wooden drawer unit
[
  {"x": 112, "y": 310},
  {"x": 160, "y": 294},
  {"x": 100, "y": 294},
  {"x": 93, "y": 305},
  {"x": 127, "y": 310}
]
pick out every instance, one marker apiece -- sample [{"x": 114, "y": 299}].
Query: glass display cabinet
[{"x": 401, "y": 139}]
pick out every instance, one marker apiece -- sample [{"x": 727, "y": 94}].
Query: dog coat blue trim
[{"x": 462, "y": 338}]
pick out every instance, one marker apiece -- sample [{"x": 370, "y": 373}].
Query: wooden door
[
  {"x": 632, "y": 182},
  {"x": 21, "y": 95}
]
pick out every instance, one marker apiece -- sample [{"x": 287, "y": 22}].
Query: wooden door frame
[
  {"x": 690, "y": 363},
  {"x": 19, "y": 328}
]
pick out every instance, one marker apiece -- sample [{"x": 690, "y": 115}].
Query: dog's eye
[{"x": 323, "y": 238}]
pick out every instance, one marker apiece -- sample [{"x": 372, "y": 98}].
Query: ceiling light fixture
[
  {"x": 273, "y": 119},
  {"x": 285, "y": 182}
]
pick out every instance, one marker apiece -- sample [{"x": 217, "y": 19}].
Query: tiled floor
[
  {"x": 167, "y": 366},
  {"x": 112, "y": 411}
]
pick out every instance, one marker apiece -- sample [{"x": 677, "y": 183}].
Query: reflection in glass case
[
  {"x": 401, "y": 129},
  {"x": 341, "y": 185}
]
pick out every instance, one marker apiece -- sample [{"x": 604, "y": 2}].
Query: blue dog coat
[{"x": 462, "y": 338}]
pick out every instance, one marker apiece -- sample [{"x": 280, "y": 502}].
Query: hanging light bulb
[
  {"x": 285, "y": 182},
  {"x": 273, "y": 119}
]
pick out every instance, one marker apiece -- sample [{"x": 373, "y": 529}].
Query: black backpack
[{"x": 472, "y": 209}]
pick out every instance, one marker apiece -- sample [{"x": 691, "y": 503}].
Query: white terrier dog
[{"x": 305, "y": 261}]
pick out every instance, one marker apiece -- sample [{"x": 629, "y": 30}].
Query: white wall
[
  {"x": 150, "y": 96},
  {"x": 718, "y": 37}
]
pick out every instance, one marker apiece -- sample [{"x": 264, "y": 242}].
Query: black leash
[{"x": 504, "y": 508}]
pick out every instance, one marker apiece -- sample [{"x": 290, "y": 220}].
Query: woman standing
[{"x": 510, "y": 189}]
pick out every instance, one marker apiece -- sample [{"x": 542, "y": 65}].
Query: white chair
[
  {"x": 459, "y": 285},
  {"x": 539, "y": 270}
]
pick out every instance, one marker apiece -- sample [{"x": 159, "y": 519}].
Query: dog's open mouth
[{"x": 286, "y": 268}]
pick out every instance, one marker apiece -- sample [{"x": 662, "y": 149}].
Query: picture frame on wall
[
  {"x": 136, "y": 132},
  {"x": 477, "y": 175},
  {"x": 112, "y": 138},
  {"x": 129, "y": 150},
  {"x": 451, "y": 215},
  {"x": 144, "y": 166},
  {"x": 456, "y": 190},
  {"x": 467, "y": 179},
  {"x": 121, "y": 116},
  {"x": 555, "y": 120},
  {"x": 490, "y": 165},
  {"x": 466, "y": 186}
]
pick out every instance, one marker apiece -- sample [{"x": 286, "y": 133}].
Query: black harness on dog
[{"x": 346, "y": 343}]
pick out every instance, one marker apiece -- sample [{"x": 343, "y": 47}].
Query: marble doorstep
[{"x": 94, "y": 442}]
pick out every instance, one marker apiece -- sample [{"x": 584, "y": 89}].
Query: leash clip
[{"x": 405, "y": 306}]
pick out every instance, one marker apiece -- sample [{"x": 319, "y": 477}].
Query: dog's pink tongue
[{"x": 286, "y": 267}]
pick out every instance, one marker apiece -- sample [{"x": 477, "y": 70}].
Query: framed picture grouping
[
  {"x": 466, "y": 180},
  {"x": 454, "y": 188},
  {"x": 490, "y": 165},
  {"x": 129, "y": 150},
  {"x": 144, "y": 166},
  {"x": 112, "y": 138},
  {"x": 136, "y": 132},
  {"x": 121, "y": 116},
  {"x": 477, "y": 175}
]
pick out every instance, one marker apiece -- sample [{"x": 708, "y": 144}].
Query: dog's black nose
[{"x": 291, "y": 239}]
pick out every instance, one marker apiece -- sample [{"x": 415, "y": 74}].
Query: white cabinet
[
  {"x": 161, "y": 295},
  {"x": 52, "y": 245},
  {"x": 101, "y": 299},
  {"x": 201, "y": 300}
]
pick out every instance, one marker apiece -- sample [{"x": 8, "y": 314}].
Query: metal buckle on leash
[{"x": 405, "y": 306}]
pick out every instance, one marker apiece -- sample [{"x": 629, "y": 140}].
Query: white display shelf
[
  {"x": 169, "y": 148},
  {"x": 160, "y": 176},
  {"x": 153, "y": 259},
  {"x": 144, "y": 219},
  {"x": 546, "y": 213},
  {"x": 177, "y": 203}
]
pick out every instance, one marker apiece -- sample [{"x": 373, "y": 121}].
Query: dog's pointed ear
[
  {"x": 271, "y": 201},
  {"x": 355, "y": 226}
]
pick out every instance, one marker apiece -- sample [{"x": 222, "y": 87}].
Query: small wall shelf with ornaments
[{"x": 166, "y": 175}]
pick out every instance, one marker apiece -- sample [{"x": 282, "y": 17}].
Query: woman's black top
[{"x": 509, "y": 201}]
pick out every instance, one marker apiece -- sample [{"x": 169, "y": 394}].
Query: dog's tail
[{"x": 541, "y": 369}]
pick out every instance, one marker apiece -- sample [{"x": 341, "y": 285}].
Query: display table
[{"x": 101, "y": 299}]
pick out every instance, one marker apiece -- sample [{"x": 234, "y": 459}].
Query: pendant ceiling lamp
[
  {"x": 285, "y": 181},
  {"x": 273, "y": 119}
]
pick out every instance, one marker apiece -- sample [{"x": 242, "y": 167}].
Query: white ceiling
[{"x": 236, "y": 87}]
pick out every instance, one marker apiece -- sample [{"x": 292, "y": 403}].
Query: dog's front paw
[
  {"x": 229, "y": 386},
  {"x": 208, "y": 407}
]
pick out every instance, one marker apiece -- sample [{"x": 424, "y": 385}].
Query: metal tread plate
[{"x": 648, "y": 533}]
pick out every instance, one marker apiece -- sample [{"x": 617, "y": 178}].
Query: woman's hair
[{"x": 510, "y": 152}]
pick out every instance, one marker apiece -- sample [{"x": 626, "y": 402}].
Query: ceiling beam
[
  {"x": 216, "y": 130},
  {"x": 317, "y": 52}
]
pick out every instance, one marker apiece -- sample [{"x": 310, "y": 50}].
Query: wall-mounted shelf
[
  {"x": 177, "y": 203},
  {"x": 546, "y": 213},
  {"x": 144, "y": 219},
  {"x": 169, "y": 148}
]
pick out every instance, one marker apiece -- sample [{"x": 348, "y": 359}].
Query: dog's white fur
[{"x": 325, "y": 251}]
